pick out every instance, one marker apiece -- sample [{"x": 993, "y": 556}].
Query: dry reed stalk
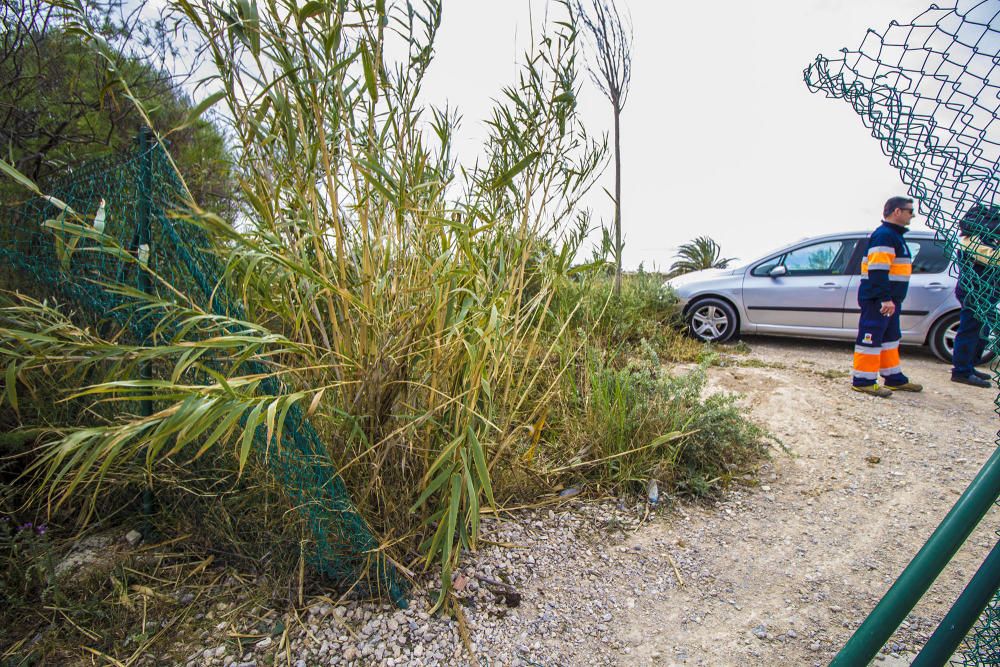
[{"x": 423, "y": 290}]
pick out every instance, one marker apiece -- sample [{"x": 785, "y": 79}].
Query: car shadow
[{"x": 834, "y": 346}]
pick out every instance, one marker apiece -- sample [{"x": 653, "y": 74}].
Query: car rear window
[{"x": 928, "y": 256}]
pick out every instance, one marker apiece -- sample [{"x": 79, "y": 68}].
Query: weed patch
[{"x": 624, "y": 424}]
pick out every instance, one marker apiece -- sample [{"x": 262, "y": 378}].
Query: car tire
[
  {"x": 712, "y": 320},
  {"x": 942, "y": 339}
]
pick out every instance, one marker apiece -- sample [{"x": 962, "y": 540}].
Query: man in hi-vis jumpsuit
[{"x": 885, "y": 275}]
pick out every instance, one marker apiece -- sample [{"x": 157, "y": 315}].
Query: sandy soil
[{"x": 783, "y": 574}]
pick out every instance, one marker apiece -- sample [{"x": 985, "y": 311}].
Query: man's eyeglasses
[{"x": 908, "y": 210}]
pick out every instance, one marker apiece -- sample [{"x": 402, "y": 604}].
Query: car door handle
[
  {"x": 936, "y": 287},
  {"x": 829, "y": 286}
]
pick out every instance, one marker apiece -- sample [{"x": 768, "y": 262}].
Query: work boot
[
  {"x": 973, "y": 380},
  {"x": 872, "y": 390},
  {"x": 906, "y": 386}
]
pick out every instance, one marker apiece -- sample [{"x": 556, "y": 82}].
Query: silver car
[{"x": 810, "y": 289}]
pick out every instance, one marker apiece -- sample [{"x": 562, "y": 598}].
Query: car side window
[
  {"x": 765, "y": 268},
  {"x": 928, "y": 256},
  {"x": 825, "y": 258}
]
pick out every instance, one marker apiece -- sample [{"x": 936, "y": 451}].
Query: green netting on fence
[
  {"x": 89, "y": 241},
  {"x": 929, "y": 91},
  {"x": 982, "y": 647}
]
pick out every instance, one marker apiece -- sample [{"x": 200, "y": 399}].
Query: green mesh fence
[
  {"x": 982, "y": 646},
  {"x": 929, "y": 91},
  {"x": 129, "y": 199}
]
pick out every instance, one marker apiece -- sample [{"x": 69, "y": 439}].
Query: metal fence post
[
  {"x": 924, "y": 568},
  {"x": 963, "y": 614}
]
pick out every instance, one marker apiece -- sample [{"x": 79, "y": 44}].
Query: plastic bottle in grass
[{"x": 99, "y": 218}]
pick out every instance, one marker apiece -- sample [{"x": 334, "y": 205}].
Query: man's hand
[{"x": 888, "y": 308}]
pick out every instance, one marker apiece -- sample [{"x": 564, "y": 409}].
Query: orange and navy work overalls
[{"x": 885, "y": 276}]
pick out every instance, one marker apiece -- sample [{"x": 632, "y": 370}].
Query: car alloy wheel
[
  {"x": 942, "y": 339},
  {"x": 948, "y": 338},
  {"x": 712, "y": 320}
]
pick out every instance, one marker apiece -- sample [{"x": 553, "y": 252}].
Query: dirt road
[{"x": 782, "y": 574}]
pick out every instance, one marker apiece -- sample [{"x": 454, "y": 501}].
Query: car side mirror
[{"x": 779, "y": 270}]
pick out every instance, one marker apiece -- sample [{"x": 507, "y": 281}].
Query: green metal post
[
  {"x": 143, "y": 235},
  {"x": 960, "y": 618},
  {"x": 924, "y": 568}
]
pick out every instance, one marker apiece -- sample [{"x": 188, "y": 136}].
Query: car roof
[
  {"x": 921, "y": 233},
  {"x": 915, "y": 234}
]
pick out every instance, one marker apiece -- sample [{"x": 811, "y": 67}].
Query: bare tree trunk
[
  {"x": 618, "y": 203},
  {"x": 611, "y": 70}
]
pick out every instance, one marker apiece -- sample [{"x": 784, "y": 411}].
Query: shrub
[
  {"x": 644, "y": 314},
  {"x": 627, "y": 424}
]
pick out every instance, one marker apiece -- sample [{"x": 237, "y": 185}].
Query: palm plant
[{"x": 700, "y": 253}]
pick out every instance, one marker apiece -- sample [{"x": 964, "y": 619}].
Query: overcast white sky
[{"x": 720, "y": 134}]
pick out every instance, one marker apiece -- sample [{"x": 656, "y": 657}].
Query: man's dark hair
[
  {"x": 893, "y": 204},
  {"x": 982, "y": 221}
]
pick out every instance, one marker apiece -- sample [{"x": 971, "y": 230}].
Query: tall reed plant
[{"x": 407, "y": 301}]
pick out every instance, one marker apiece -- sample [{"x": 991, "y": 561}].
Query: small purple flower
[{"x": 41, "y": 529}]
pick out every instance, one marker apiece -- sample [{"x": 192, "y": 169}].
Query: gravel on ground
[{"x": 778, "y": 571}]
